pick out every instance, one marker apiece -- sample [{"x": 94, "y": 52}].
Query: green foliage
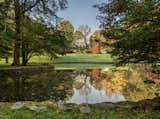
[
  {"x": 135, "y": 25},
  {"x": 104, "y": 42},
  {"x": 78, "y": 35},
  {"x": 39, "y": 39},
  {"x": 6, "y": 33},
  {"x": 27, "y": 28},
  {"x": 56, "y": 43},
  {"x": 67, "y": 28}
]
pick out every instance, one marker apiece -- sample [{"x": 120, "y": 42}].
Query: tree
[
  {"x": 39, "y": 40},
  {"x": 103, "y": 43},
  {"x": 77, "y": 36},
  {"x": 32, "y": 39},
  {"x": 85, "y": 30},
  {"x": 42, "y": 10},
  {"x": 68, "y": 30},
  {"x": 135, "y": 27},
  {"x": 6, "y": 32},
  {"x": 6, "y": 45},
  {"x": 98, "y": 36},
  {"x": 60, "y": 43}
]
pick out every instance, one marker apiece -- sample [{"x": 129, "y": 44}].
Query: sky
[{"x": 82, "y": 12}]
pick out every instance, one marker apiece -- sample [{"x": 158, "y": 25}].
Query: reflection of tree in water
[
  {"x": 37, "y": 87},
  {"x": 92, "y": 85},
  {"x": 137, "y": 90},
  {"x": 111, "y": 84},
  {"x": 81, "y": 82},
  {"x": 128, "y": 83}
]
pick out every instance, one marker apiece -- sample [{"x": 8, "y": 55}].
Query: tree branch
[{"x": 31, "y": 6}]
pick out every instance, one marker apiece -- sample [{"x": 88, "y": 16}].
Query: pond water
[{"x": 74, "y": 86}]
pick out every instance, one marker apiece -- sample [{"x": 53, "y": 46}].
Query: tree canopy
[
  {"x": 67, "y": 28},
  {"x": 135, "y": 25},
  {"x": 32, "y": 22}
]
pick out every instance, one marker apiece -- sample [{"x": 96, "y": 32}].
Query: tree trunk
[
  {"x": 6, "y": 60},
  {"x": 24, "y": 53},
  {"x": 17, "y": 42}
]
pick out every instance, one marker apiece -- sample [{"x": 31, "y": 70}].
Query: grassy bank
[
  {"x": 84, "y": 58},
  {"x": 141, "y": 110},
  {"x": 96, "y": 114},
  {"x": 82, "y": 66}
]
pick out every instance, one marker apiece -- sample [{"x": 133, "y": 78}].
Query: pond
[{"x": 75, "y": 86}]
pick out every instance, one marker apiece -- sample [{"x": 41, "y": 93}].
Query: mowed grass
[
  {"x": 84, "y": 58},
  {"x": 96, "y": 113},
  {"x": 34, "y": 59},
  {"x": 69, "y": 61},
  {"x": 69, "y": 58},
  {"x": 33, "y": 62}
]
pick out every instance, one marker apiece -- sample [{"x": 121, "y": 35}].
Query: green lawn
[
  {"x": 35, "y": 59},
  {"x": 34, "y": 62},
  {"x": 85, "y": 58},
  {"x": 63, "y": 60},
  {"x": 92, "y": 58}
]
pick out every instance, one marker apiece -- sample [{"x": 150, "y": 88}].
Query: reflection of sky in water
[{"x": 88, "y": 94}]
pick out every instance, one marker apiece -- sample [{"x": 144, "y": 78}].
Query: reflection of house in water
[{"x": 85, "y": 92}]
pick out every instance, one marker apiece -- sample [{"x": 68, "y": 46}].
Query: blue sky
[{"x": 81, "y": 12}]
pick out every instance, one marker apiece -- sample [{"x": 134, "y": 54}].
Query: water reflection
[
  {"x": 85, "y": 92},
  {"x": 35, "y": 87},
  {"x": 76, "y": 86}
]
